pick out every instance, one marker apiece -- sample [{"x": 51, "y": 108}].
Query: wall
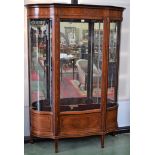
[{"x": 124, "y": 78}]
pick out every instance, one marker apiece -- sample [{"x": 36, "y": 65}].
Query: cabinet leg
[
  {"x": 56, "y": 145},
  {"x": 102, "y": 141},
  {"x": 114, "y": 133}
]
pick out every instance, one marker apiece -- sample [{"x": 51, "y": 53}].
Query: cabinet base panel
[{"x": 73, "y": 123}]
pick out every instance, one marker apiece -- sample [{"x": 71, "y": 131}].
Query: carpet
[
  {"x": 96, "y": 91},
  {"x": 83, "y": 92},
  {"x": 34, "y": 76},
  {"x": 67, "y": 90}
]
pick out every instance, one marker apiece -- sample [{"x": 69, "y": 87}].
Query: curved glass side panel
[
  {"x": 80, "y": 64},
  {"x": 97, "y": 61},
  {"x": 39, "y": 64},
  {"x": 113, "y": 63}
]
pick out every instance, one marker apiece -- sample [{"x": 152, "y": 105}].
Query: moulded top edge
[{"x": 73, "y": 5}]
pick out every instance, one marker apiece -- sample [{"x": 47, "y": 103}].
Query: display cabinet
[{"x": 73, "y": 70}]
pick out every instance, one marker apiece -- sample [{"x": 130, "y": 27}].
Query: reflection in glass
[
  {"x": 39, "y": 62},
  {"x": 97, "y": 60},
  {"x": 112, "y": 67},
  {"x": 80, "y": 64}
]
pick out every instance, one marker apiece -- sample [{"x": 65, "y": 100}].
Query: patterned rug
[
  {"x": 96, "y": 91},
  {"x": 82, "y": 91},
  {"x": 34, "y": 76},
  {"x": 67, "y": 89}
]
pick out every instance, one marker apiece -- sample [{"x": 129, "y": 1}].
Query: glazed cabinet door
[{"x": 80, "y": 64}]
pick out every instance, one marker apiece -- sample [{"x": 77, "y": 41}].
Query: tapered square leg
[
  {"x": 102, "y": 141},
  {"x": 56, "y": 145},
  {"x": 113, "y": 134}
]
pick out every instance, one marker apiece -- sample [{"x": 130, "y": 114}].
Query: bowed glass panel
[
  {"x": 40, "y": 49},
  {"x": 113, "y": 62}
]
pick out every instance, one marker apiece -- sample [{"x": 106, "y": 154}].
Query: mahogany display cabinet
[{"x": 73, "y": 70}]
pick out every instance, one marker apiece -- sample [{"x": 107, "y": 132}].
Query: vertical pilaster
[
  {"x": 104, "y": 86},
  {"x": 56, "y": 77}
]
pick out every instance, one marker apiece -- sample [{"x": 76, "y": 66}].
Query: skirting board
[{"x": 120, "y": 130}]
